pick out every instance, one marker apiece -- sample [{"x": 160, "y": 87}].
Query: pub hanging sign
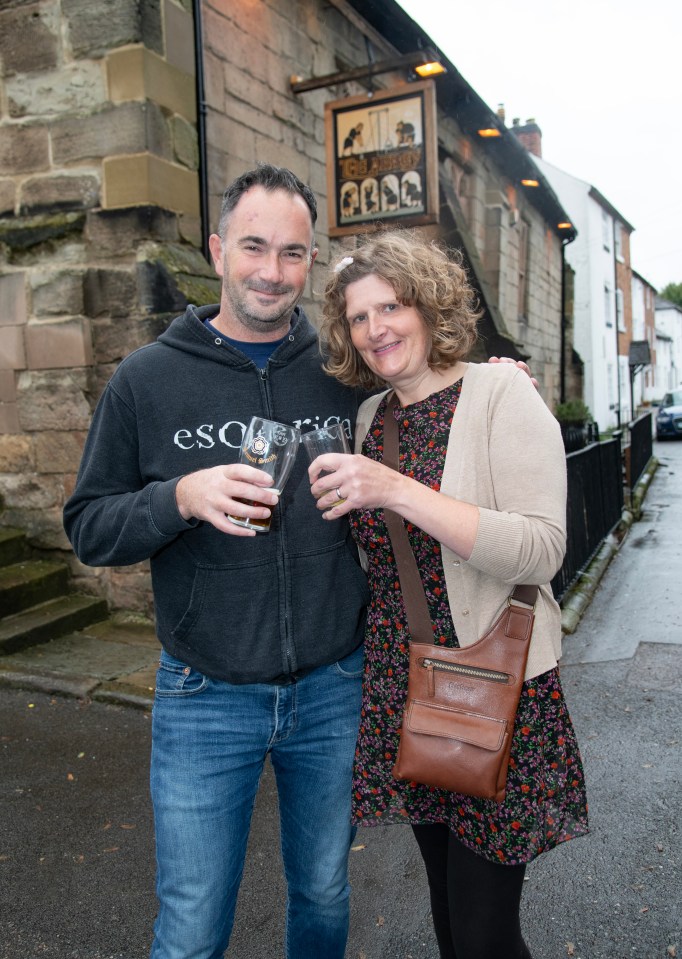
[{"x": 382, "y": 159}]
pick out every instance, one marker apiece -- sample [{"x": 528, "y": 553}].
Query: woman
[{"x": 482, "y": 490}]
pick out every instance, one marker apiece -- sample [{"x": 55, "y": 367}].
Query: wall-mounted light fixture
[
  {"x": 530, "y": 183},
  {"x": 489, "y": 133},
  {"x": 423, "y": 63},
  {"x": 564, "y": 226}
]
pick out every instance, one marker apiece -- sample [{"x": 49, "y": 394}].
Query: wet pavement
[{"x": 76, "y": 832}]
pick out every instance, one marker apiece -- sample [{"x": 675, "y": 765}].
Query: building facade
[
  {"x": 120, "y": 126},
  {"x": 600, "y": 258}
]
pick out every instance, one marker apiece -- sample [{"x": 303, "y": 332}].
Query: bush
[{"x": 573, "y": 411}]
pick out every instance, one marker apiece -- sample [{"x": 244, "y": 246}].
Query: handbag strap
[{"x": 416, "y": 607}]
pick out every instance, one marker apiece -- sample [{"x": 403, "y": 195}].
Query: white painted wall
[
  {"x": 669, "y": 366},
  {"x": 595, "y": 297}
]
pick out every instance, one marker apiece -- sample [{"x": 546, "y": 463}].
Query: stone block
[
  {"x": 114, "y": 339},
  {"x": 25, "y": 233},
  {"x": 23, "y": 149},
  {"x": 138, "y": 74},
  {"x": 54, "y": 400},
  {"x": 179, "y": 30},
  {"x": 121, "y": 231},
  {"x": 8, "y": 386},
  {"x": 158, "y": 289},
  {"x": 12, "y": 348},
  {"x": 31, "y": 491},
  {"x": 42, "y": 194},
  {"x": 9, "y": 418},
  {"x": 63, "y": 344},
  {"x": 72, "y": 88},
  {"x": 8, "y": 194},
  {"x": 145, "y": 179},
  {"x": 185, "y": 142},
  {"x": 16, "y": 453},
  {"x": 28, "y": 41},
  {"x": 13, "y": 310},
  {"x": 44, "y": 527},
  {"x": 109, "y": 293},
  {"x": 58, "y": 452},
  {"x": 57, "y": 292},
  {"x": 96, "y": 26},
  {"x": 125, "y": 128}
]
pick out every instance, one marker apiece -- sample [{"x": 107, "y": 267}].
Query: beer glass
[
  {"x": 270, "y": 447},
  {"x": 327, "y": 439}
]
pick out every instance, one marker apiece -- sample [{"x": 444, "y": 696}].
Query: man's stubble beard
[{"x": 264, "y": 322}]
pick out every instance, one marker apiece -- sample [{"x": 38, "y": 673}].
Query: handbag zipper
[{"x": 477, "y": 672}]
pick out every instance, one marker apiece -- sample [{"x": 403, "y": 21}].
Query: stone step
[
  {"x": 13, "y": 546},
  {"x": 29, "y": 582},
  {"x": 49, "y": 620}
]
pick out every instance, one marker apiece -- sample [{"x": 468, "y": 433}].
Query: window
[
  {"x": 618, "y": 233},
  {"x": 608, "y": 315},
  {"x": 620, "y": 317},
  {"x": 524, "y": 255},
  {"x": 606, "y": 229}
]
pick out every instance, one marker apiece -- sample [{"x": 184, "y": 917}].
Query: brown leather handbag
[{"x": 462, "y": 702}]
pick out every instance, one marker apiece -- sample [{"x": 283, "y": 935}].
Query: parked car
[{"x": 669, "y": 416}]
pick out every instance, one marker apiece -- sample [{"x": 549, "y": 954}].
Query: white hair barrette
[{"x": 342, "y": 264}]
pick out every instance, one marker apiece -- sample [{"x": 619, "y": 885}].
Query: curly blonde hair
[{"x": 423, "y": 276}]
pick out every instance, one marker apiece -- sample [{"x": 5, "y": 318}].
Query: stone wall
[{"x": 99, "y": 232}]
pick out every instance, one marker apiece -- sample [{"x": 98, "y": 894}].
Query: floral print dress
[{"x": 545, "y": 802}]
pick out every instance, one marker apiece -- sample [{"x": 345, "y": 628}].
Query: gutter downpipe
[
  {"x": 615, "y": 310},
  {"x": 201, "y": 127},
  {"x": 564, "y": 320},
  {"x": 562, "y": 366}
]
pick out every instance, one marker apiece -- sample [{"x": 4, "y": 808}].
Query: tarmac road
[{"x": 76, "y": 844}]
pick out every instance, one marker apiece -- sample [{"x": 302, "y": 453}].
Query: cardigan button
[
  {"x": 456, "y": 563},
  {"x": 465, "y": 612}
]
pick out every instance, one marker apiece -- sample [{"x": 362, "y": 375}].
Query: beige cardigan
[{"x": 506, "y": 456}]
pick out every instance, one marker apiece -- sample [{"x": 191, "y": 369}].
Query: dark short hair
[
  {"x": 270, "y": 178},
  {"x": 432, "y": 280}
]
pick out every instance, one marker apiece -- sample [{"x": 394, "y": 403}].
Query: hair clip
[{"x": 342, "y": 264}]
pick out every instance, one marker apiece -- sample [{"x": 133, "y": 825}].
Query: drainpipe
[
  {"x": 615, "y": 306},
  {"x": 201, "y": 127},
  {"x": 562, "y": 362}
]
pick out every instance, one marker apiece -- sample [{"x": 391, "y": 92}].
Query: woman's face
[{"x": 392, "y": 339}]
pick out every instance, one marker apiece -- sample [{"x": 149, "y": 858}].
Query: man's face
[{"x": 264, "y": 262}]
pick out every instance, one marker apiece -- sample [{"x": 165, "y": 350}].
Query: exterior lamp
[
  {"x": 530, "y": 183},
  {"x": 489, "y": 132},
  {"x": 434, "y": 68},
  {"x": 564, "y": 226},
  {"x": 419, "y": 60}
]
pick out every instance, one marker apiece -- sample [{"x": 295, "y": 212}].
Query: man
[{"x": 261, "y": 634}]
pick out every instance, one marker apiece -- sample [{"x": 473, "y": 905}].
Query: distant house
[
  {"x": 600, "y": 258},
  {"x": 668, "y": 370},
  {"x": 643, "y": 332}
]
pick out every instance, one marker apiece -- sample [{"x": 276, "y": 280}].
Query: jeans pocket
[
  {"x": 352, "y": 665},
  {"x": 175, "y": 678}
]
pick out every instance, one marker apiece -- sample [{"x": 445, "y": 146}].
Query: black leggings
[{"x": 474, "y": 902}]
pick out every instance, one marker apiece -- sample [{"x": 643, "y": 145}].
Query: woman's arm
[{"x": 516, "y": 532}]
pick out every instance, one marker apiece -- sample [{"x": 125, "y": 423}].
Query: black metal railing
[
  {"x": 640, "y": 448},
  {"x": 595, "y": 505}
]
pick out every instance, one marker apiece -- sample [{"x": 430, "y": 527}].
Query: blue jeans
[{"x": 209, "y": 742}]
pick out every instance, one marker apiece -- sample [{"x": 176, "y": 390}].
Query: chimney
[
  {"x": 529, "y": 135},
  {"x": 501, "y": 111}
]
